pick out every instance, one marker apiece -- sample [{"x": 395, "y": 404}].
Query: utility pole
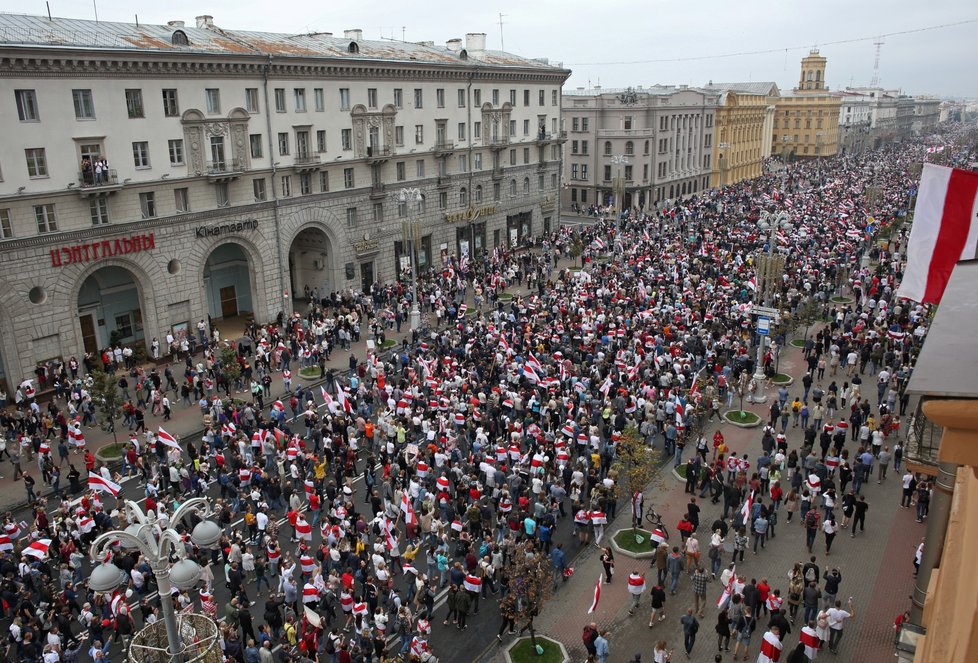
[{"x": 502, "y": 44}]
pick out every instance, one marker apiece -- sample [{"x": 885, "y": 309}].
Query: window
[
  {"x": 223, "y": 194},
  {"x": 628, "y": 122},
  {"x": 181, "y": 200},
  {"x": 526, "y": 186},
  {"x": 542, "y": 98},
  {"x": 585, "y": 122},
  {"x": 170, "y": 106},
  {"x": 629, "y": 148},
  {"x": 305, "y": 184},
  {"x": 526, "y": 97},
  {"x": 512, "y": 157},
  {"x": 346, "y": 139},
  {"x": 47, "y": 222},
  {"x": 283, "y": 143},
  {"x": 398, "y": 98},
  {"x": 378, "y": 212},
  {"x": 540, "y": 183},
  {"x": 348, "y": 180},
  {"x": 280, "y": 100},
  {"x": 419, "y": 134},
  {"x": 478, "y": 193},
  {"x": 553, "y": 97},
  {"x": 708, "y": 140},
  {"x": 440, "y": 98},
  {"x": 477, "y": 97},
  {"x": 286, "y": 186},
  {"x": 607, "y": 173},
  {"x": 37, "y": 163},
  {"x": 496, "y": 191},
  {"x": 400, "y": 171},
  {"x": 258, "y": 186},
  {"x": 512, "y": 127},
  {"x": 526, "y": 155},
  {"x": 512, "y": 188},
  {"x": 323, "y": 181},
  {"x": 443, "y": 200},
  {"x": 147, "y": 204},
  {"x": 27, "y": 105},
  {"x": 251, "y": 100},
  {"x": 175, "y": 148},
  {"x": 351, "y": 217},
  {"x": 321, "y": 140},
  {"x": 512, "y": 97},
  {"x": 607, "y": 147},
  {"x": 583, "y": 171},
  {"x": 134, "y": 103},
  {"x": 212, "y": 96},
  {"x": 372, "y": 97},
  {"x": 463, "y": 163},
  {"x": 461, "y": 97},
  {"x": 477, "y": 130},
  {"x": 84, "y": 107},
  {"x": 299, "y": 95},
  {"x": 140, "y": 154},
  {"x": 99, "y": 209},
  {"x": 461, "y": 130},
  {"x": 418, "y": 98},
  {"x": 584, "y": 147},
  {"x": 526, "y": 127},
  {"x": 399, "y": 135},
  {"x": 477, "y": 161},
  {"x": 628, "y": 173},
  {"x": 123, "y": 325},
  {"x": 573, "y": 171},
  {"x": 575, "y": 124},
  {"x": 344, "y": 98},
  {"x": 6, "y": 232},
  {"x": 419, "y": 168},
  {"x": 320, "y": 99},
  {"x": 463, "y": 197},
  {"x": 495, "y": 97},
  {"x": 256, "y": 145}
]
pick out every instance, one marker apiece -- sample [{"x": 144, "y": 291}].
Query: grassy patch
[
  {"x": 626, "y": 540},
  {"x": 681, "y": 470},
  {"x": 840, "y": 299},
  {"x": 309, "y": 372},
  {"x": 388, "y": 343},
  {"x": 738, "y": 417},
  {"x": 505, "y": 297},
  {"x": 798, "y": 343},
  {"x": 112, "y": 451},
  {"x": 781, "y": 378},
  {"x": 523, "y": 652}
]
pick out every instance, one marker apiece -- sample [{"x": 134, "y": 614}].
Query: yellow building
[
  {"x": 944, "y": 619},
  {"x": 806, "y": 123},
  {"x": 744, "y": 130}
]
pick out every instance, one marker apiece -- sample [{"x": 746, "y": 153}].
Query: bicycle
[{"x": 652, "y": 516}]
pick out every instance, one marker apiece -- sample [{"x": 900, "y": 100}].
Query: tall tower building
[{"x": 812, "y": 73}]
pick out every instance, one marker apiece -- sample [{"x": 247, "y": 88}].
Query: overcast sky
[{"x": 589, "y": 37}]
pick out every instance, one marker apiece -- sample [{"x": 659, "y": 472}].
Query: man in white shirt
[{"x": 837, "y": 617}]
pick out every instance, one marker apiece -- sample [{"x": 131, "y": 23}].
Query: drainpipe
[
  {"x": 468, "y": 121},
  {"x": 937, "y": 517},
  {"x": 285, "y": 287}
]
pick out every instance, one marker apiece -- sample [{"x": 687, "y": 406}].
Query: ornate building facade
[
  {"x": 806, "y": 124},
  {"x": 157, "y": 175},
  {"x": 744, "y": 130}
]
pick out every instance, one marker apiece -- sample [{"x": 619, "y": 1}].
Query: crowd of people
[{"x": 351, "y": 508}]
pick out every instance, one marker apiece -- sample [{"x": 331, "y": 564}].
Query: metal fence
[{"x": 200, "y": 640}]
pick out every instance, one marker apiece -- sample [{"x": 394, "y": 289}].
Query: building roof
[
  {"x": 39, "y": 32},
  {"x": 760, "y": 87},
  {"x": 946, "y": 365},
  {"x": 657, "y": 90}
]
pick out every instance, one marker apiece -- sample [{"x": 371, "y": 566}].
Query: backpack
[
  {"x": 811, "y": 518},
  {"x": 810, "y": 574}
]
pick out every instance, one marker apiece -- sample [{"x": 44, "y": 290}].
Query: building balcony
[
  {"x": 626, "y": 133},
  {"x": 107, "y": 183},
  {"x": 498, "y": 143},
  {"x": 444, "y": 148},
  {"x": 378, "y": 190},
  {"x": 443, "y": 181},
  {"x": 221, "y": 171},
  {"x": 923, "y": 443},
  {"x": 305, "y": 161},
  {"x": 378, "y": 154},
  {"x": 497, "y": 173}
]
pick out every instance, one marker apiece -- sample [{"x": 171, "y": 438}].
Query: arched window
[
  {"x": 810, "y": 77},
  {"x": 526, "y": 186},
  {"x": 179, "y": 38},
  {"x": 646, "y": 147},
  {"x": 463, "y": 54},
  {"x": 478, "y": 193},
  {"x": 463, "y": 197},
  {"x": 818, "y": 75},
  {"x": 629, "y": 147},
  {"x": 607, "y": 147},
  {"x": 353, "y": 47},
  {"x": 512, "y": 188}
]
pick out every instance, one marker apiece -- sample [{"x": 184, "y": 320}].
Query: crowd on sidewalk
[{"x": 436, "y": 467}]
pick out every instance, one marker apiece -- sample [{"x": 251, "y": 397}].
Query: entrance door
[
  {"x": 89, "y": 335},
  {"x": 366, "y": 276},
  {"x": 229, "y": 302}
]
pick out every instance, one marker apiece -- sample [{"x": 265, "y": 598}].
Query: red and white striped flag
[
  {"x": 343, "y": 399},
  {"x": 472, "y": 583},
  {"x": 327, "y": 399},
  {"x": 6, "y": 545},
  {"x": 168, "y": 439},
  {"x": 809, "y": 638},
  {"x": 409, "y": 517},
  {"x": 597, "y": 596},
  {"x": 38, "y": 549},
  {"x": 746, "y": 509},
  {"x": 100, "y": 483},
  {"x": 770, "y": 649},
  {"x": 944, "y": 231}
]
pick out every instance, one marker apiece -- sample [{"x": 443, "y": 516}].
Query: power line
[{"x": 775, "y": 50}]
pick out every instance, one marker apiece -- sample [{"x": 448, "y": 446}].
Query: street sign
[
  {"x": 765, "y": 310},
  {"x": 763, "y": 325}
]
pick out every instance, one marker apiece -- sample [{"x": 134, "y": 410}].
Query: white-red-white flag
[
  {"x": 945, "y": 230},
  {"x": 770, "y": 649},
  {"x": 409, "y": 517},
  {"x": 343, "y": 399},
  {"x": 100, "y": 483},
  {"x": 38, "y": 548},
  {"x": 168, "y": 439},
  {"x": 597, "y": 596}
]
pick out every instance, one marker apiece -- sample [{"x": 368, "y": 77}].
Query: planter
[
  {"x": 521, "y": 651},
  {"x": 505, "y": 297},
  {"x": 680, "y": 472},
  {"x": 798, "y": 343},
  {"x": 841, "y": 299},
  {"x": 310, "y": 373},
  {"x": 111, "y": 453},
  {"x": 624, "y": 543},
  {"x": 387, "y": 344},
  {"x": 782, "y": 380},
  {"x": 748, "y": 420}
]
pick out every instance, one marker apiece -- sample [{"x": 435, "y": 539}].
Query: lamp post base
[
  {"x": 758, "y": 396},
  {"x": 415, "y": 319}
]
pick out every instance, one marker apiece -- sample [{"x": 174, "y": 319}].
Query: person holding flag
[{"x": 771, "y": 646}]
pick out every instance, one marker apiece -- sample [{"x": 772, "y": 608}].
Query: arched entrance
[
  {"x": 110, "y": 309},
  {"x": 227, "y": 282},
  {"x": 311, "y": 264}
]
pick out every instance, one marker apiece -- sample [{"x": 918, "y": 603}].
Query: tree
[
  {"x": 742, "y": 388},
  {"x": 105, "y": 396},
  {"x": 636, "y": 465},
  {"x": 531, "y": 579},
  {"x": 576, "y": 248},
  {"x": 229, "y": 363}
]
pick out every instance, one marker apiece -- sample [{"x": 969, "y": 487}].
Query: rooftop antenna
[
  {"x": 49, "y": 10},
  {"x": 876, "y": 64},
  {"x": 95, "y": 5},
  {"x": 403, "y": 33},
  {"x": 502, "y": 44}
]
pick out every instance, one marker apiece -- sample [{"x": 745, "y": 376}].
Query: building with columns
[
  {"x": 806, "y": 124},
  {"x": 744, "y": 130},
  {"x": 157, "y": 175},
  {"x": 643, "y": 146}
]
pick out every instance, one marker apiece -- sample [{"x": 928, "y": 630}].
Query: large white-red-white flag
[
  {"x": 597, "y": 596},
  {"x": 945, "y": 230},
  {"x": 38, "y": 548},
  {"x": 168, "y": 439},
  {"x": 770, "y": 649},
  {"x": 100, "y": 483}
]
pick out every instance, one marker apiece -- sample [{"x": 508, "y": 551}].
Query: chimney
[
  {"x": 205, "y": 21},
  {"x": 429, "y": 44},
  {"x": 175, "y": 24},
  {"x": 542, "y": 60},
  {"x": 475, "y": 42},
  {"x": 355, "y": 35},
  {"x": 454, "y": 45}
]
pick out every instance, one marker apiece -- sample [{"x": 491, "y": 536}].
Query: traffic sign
[
  {"x": 763, "y": 325},
  {"x": 765, "y": 310}
]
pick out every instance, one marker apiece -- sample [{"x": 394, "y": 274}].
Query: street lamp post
[
  {"x": 768, "y": 269},
  {"x": 157, "y": 544},
  {"x": 619, "y": 183},
  {"x": 411, "y": 233}
]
